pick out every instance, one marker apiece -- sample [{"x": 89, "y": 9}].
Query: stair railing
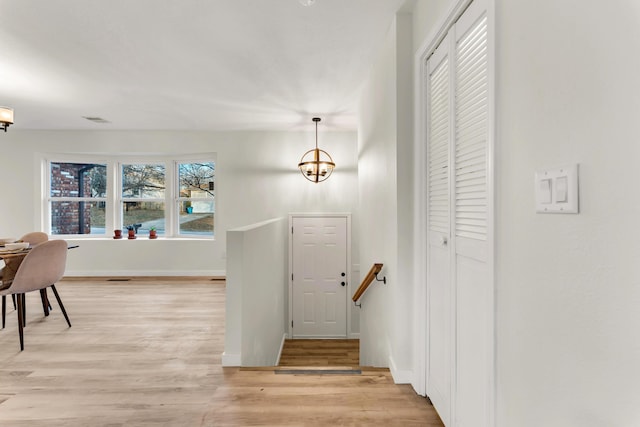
[{"x": 372, "y": 274}]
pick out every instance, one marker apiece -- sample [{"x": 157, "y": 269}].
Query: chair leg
[
  {"x": 21, "y": 319},
  {"x": 4, "y": 309},
  {"x": 13, "y": 297},
  {"x": 46, "y": 298},
  {"x": 24, "y": 310},
  {"x": 45, "y": 301},
  {"x": 55, "y": 292}
]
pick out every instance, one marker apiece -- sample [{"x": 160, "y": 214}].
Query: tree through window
[
  {"x": 196, "y": 198},
  {"x": 175, "y": 197}
]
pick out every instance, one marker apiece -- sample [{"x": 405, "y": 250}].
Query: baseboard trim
[
  {"x": 284, "y": 337},
  {"x": 145, "y": 273},
  {"x": 231, "y": 360},
  {"x": 399, "y": 376}
]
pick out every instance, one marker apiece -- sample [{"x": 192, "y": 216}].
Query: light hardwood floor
[
  {"x": 312, "y": 352},
  {"x": 147, "y": 353}
]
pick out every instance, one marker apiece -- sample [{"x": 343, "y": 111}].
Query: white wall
[
  {"x": 256, "y": 302},
  {"x": 385, "y": 190},
  {"x": 427, "y": 15},
  {"x": 256, "y": 178},
  {"x": 568, "y": 286},
  {"x": 378, "y": 204}
]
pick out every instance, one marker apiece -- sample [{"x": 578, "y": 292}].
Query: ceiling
[{"x": 187, "y": 64}]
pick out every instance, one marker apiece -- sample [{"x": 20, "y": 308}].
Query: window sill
[{"x": 160, "y": 238}]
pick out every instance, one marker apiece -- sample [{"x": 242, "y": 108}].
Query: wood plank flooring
[
  {"x": 320, "y": 353},
  {"x": 147, "y": 353}
]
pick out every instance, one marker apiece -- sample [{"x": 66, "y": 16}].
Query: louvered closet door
[
  {"x": 460, "y": 337},
  {"x": 439, "y": 125},
  {"x": 472, "y": 180}
]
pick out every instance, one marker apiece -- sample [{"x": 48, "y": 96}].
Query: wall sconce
[
  {"x": 6, "y": 117},
  {"x": 316, "y": 165}
]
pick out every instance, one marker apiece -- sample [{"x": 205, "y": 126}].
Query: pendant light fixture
[
  {"x": 6, "y": 117},
  {"x": 316, "y": 165}
]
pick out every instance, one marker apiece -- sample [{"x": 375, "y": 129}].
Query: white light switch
[
  {"x": 561, "y": 189},
  {"x": 545, "y": 191},
  {"x": 557, "y": 190}
]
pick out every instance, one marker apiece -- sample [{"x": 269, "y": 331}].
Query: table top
[{"x": 7, "y": 253}]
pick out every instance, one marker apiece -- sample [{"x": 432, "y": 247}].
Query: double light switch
[{"x": 557, "y": 190}]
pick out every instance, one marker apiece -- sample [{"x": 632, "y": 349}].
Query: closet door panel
[{"x": 439, "y": 314}]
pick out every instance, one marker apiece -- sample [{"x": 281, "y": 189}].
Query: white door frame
[
  {"x": 350, "y": 286},
  {"x": 421, "y": 328}
]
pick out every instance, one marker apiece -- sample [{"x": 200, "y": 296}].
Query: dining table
[{"x": 12, "y": 260}]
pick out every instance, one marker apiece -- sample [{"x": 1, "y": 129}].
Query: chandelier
[
  {"x": 6, "y": 117},
  {"x": 316, "y": 165}
]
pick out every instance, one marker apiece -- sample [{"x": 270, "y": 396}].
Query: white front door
[{"x": 319, "y": 277}]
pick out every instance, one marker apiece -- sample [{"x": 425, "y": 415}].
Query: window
[
  {"x": 195, "y": 198},
  {"x": 77, "y": 197},
  {"x": 142, "y": 204},
  {"x": 93, "y": 197}
]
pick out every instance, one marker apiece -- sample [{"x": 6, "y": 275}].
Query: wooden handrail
[{"x": 367, "y": 281}]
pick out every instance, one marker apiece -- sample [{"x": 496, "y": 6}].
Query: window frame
[
  {"x": 121, "y": 200},
  {"x": 114, "y": 200},
  {"x": 177, "y": 199}
]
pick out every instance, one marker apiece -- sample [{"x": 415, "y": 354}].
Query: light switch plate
[{"x": 557, "y": 190}]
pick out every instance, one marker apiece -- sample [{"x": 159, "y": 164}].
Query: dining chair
[
  {"x": 41, "y": 268},
  {"x": 33, "y": 238}
]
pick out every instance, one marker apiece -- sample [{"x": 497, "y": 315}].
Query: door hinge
[
  {"x": 292, "y": 277},
  {"x": 292, "y": 323},
  {"x": 291, "y": 230}
]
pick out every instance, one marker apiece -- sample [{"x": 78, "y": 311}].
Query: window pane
[
  {"x": 77, "y": 217},
  {"x": 196, "y": 180},
  {"x": 144, "y": 215},
  {"x": 78, "y": 180},
  {"x": 196, "y": 217},
  {"x": 145, "y": 181}
]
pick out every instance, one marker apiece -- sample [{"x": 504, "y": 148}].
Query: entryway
[{"x": 319, "y": 276}]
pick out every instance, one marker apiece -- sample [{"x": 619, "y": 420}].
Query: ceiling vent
[{"x": 96, "y": 119}]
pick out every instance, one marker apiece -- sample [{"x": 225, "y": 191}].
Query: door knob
[
  {"x": 343, "y": 283},
  {"x": 342, "y": 274},
  {"x": 443, "y": 241}
]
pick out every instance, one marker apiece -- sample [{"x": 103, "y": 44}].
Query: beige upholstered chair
[
  {"x": 33, "y": 238},
  {"x": 41, "y": 268}
]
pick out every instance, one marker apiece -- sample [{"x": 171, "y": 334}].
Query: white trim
[
  {"x": 284, "y": 337},
  {"x": 231, "y": 360},
  {"x": 432, "y": 41},
  {"x": 355, "y": 273},
  {"x": 347, "y": 216},
  {"x": 145, "y": 273},
  {"x": 492, "y": 91},
  {"x": 399, "y": 376},
  {"x": 420, "y": 355}
]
